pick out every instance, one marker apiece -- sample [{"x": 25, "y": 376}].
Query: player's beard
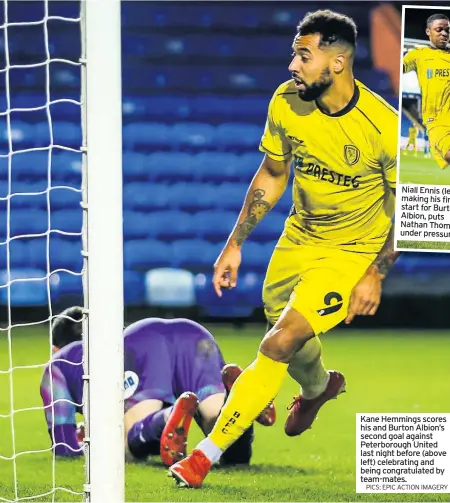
[{"x": 316, "y": 89}]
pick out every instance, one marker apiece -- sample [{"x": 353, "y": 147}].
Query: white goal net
[{"x": 60, "y": 240}]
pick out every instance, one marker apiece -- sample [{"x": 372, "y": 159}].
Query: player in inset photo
[
  {"x": 412, "y": 137},
  {"x": 426, "y": 96}
]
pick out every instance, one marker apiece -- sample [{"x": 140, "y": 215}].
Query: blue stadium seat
[
  {"x": 66, "y": 134},
  {"x": 230, "y": 196},
  {"x": 29, "y": 196},
  {"x": 147, "y": 254},
  {"x": 168, "y": 287},
  {"x": 67, "y": 220},
  {"x": 19, "y": 44},
  {"x": 376, "y": 80},
  {"x": 171, "y": 225},
  {"x": 4, "y": 162},
  {"x": 30, "y": 165},
  {"x": 135, "y": 225},
  {"x": 270, "y": 227},
  {"x": 170, "y": 166},
  {"x": 147, "y": 134},
  {"x": 24, "y": 100},
  {"x": 405, "y": 125},
  {"x": 66, "y": 165},
  {"x": 217, "y": 167},
  {"x": 21, "y": 224},
  {"x": 232, "y": 303},
  {"x": 237, "y": 135},
  {"x": 65, "y": 286},
  {"x": 194, "y": 254},
  {"x": 249, "y": 164},
  {"x": 65, "y": 197},
  {"x": 146, "y": 196},
  {"x": 193, "y": 135},
  {"x": 63, "y": 77},
  {"x": 18, "y": 255},
  {"x": 218, "y": 78},
  {"x": 191, "y": 196},
  {"x": 28, "y": 79},
  {"x": 64, "y": 110},
  {"x": 28, "y": 288},
  {"x": 134, "y": 288},
  {"x": 65, "y": 42},
  {"x": 256, "y": 256},
  {"x": 3, "y": 221},
  {"x": 17, "y": 14},
  {"x": 277, "y": 15},
  {"x": 253, "y": 285},
  {"x": 65, "y": 252},
  {"x": 214, "y": 225},
  {"x": 157, "y": 108},
  {"x": 135, "y": 166},
  {"x": 23, "y": 135},
  {"x": 222, "y": 108}
]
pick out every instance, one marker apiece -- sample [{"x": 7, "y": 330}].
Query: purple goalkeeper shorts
[{"x": 164, "y": 358}]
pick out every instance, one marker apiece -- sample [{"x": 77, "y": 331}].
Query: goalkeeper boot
[
  {"x": 304, "y": 411},
  {"x": 174, "y": 436},
  {"x": 230, "y": 373},
  {"x": 192, "y": 470}
]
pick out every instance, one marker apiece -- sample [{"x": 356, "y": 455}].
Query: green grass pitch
[
  {"x": 423, "y": 245},
  {"x": 387, "y": 371},
  {"x": 421, "y": 170}
]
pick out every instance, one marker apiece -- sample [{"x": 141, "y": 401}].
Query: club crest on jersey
[
  {"x": 131, "y": 383},
  {"x": 351, "y": 154}
]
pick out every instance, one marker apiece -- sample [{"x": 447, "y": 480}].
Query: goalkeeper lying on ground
[{"x": 174, "y": 372}]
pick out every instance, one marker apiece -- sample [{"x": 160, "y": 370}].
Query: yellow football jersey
[
  {"x": 413, "y": 132},
  {"x": 433, "y": 73},
  {"x": 344, "y": 164}
]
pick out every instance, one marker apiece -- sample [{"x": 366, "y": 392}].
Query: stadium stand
[{"x": 197, "y": 79}]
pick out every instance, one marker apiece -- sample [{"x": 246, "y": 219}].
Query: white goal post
[{"x": 103, "y": 244}]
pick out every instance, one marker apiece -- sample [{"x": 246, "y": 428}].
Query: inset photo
[
  {"x": 423, "y": 189},
  {"x": 425, "y": 96}
]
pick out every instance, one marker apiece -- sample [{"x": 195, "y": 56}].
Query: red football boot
[
  {"x": 304, "y": 411},
  {"x": 229, "y": 375},
  {"x": 192, "y": 470},
  {"x": 174, "y": 436}
]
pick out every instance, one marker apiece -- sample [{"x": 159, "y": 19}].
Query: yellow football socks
[
  {"x": 255, "y": 388},
  {"x": 308, "y": 370}
]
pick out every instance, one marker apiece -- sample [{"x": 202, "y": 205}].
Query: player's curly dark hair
[
  {"x": 333, "y": 27},
  {"x": 436, "y": 17},
  {"x": 65, "y": 330}
]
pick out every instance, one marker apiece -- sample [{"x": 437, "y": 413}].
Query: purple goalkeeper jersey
[{"x": 162, "y": 359}]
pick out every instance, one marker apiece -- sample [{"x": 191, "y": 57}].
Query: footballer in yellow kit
[
  {"x": 337, "y": 244},
  {"x": 412, "y": 137},
  {"x": 432, "y": 65},
  {"x": 344, "y": 166}
]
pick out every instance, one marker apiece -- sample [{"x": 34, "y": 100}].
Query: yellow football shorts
[
  {"x": 439, "y": 136},
  {"x": 315, "y": 281}
]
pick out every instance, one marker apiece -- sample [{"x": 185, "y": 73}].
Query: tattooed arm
[
  {"x": 387, "y": 255},
  {"x": 266, "y": 188}
]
